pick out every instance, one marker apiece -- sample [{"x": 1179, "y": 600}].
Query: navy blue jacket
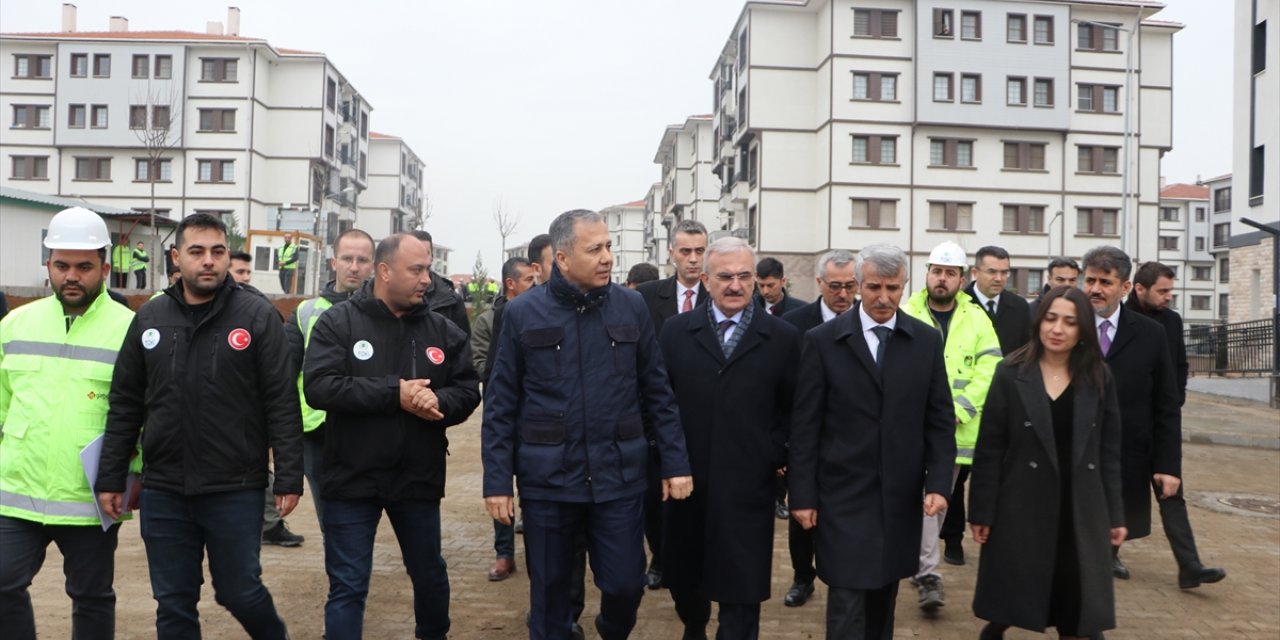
[{"x": 575, "y": 378}]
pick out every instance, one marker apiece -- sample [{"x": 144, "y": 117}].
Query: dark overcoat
[
  {"x": 735, "y": 413},
  {"x": 866, "y": 443},
  {"x": 660, "y": 297},
  {"x": 1014, "y": 490},
  {"x": 1012, "y": 320}
]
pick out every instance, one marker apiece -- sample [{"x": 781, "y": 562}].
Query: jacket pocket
[
  {"x": 623, "y": 339},
  {"x": 540, "y": 456},
  {"x": 633, "y": 449},
  {"x": 542, "y": 351}
]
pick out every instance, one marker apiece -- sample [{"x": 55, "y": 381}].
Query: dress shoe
[
  {"x": 653, "y": 578},
  {"x": 953, "y": 553},
  {"x": 780, "y": 510},
  {"x": 798, "y": 594},
  {"x": 1200, "y": 575},
  {"x": 932, "y": 596},
  {"x": 1118, "y": 569},
  {"x": 502, "y": 569}
]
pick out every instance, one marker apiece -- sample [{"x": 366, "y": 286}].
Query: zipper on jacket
[{"x": 586, "y": 440}]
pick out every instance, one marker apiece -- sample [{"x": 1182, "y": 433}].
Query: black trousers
[
  {"x": 861, "y": 614},
  {"x": 953, "y": 524},
  {"x": 800, "y": 543},
  {"x": 1177, "y": 527},
  {"x": 653, "y": 507},
  {"x": 88, "y": 560},
  {"x": 738, "y": 621},
  {"x": 287, "y": 277},
  {"x": 141, "y": 276}
]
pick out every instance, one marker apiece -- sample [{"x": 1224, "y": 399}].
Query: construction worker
[
  {"x": 139, "y": 265},
  {"x": 121, "y": 259},
  {"x": 287, "y": 262},
  {"x": 56, "y": 359},
  {"x": 971, "y": 350}
]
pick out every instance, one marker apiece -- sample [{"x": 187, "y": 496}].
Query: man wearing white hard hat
[
  {"x": 972, "y": 351},
  {"x": 56, "y": 359}
]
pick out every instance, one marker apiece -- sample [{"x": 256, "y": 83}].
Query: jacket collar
[
  {"x": 564, "y": 291},
  {"x": 366, "y": 302}
]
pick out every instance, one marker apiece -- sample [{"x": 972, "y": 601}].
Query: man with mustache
[{"x": 56, "y": 357}]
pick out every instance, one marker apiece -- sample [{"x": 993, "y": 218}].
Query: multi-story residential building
[
  {"x": 656, "y": 236},
  {"x": 626, "y": 224},
  {"x": 393, "y": 201},
  {"x": 1256, "y": 158},
  {"x": 1220, "y": 241},
  {"x": 216, "y": 122},
  {"x": 911, "y": 122},
  {"x": 440, "y": 258},
  {"x": 690, "y": 189},
  {"x": 1185, "y": 244}
]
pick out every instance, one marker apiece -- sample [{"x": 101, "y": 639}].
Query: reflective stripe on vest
[
  {"x": 68, "y": 351},
  {"x": 48, "y": 507}
]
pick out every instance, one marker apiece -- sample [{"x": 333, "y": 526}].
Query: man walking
[
  {"x": 287, "y": 263},
  {"x": 139, "y": 265},
  {"x": 56, "y": 356},
  {"x": 577, "y": 376},
  {"x": 771, "y": 288},
  {"x": 441, "y": 297},
  {"x": 1063, "y": 272},
  {"x": 203, "y": 376},
  {"x": 392, "y": 376},
  {"x": 732, "y": 368}
]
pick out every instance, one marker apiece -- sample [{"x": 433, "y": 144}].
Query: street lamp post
[{"x": 1049, "y": 235}]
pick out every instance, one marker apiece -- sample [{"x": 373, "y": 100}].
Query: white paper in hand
[{"x": 89, "y": 460}]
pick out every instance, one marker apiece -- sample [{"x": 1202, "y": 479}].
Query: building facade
[
  {"x": 626, "y": 224},
  {"x": 690, "y": 189},
  {"x": 393, "y": 201},
  {"x": 1185, "y": 244}
]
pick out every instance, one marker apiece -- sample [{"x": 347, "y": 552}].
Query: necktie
[
  {"x": 724, "y": 327},
  {"x": 688, "y": 301},
  {"x": 1104, "y": 337},
  {"x": 991, "y": 308},
  {"x": 882, "y": 333},
  {"x": 776, "y": 309}
]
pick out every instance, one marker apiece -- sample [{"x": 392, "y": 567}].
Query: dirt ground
[{"x": 1148, "y": 606}]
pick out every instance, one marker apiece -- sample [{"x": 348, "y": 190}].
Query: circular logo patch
[
  {"x": 239, "y": 339},
  {"x": 150, "y": 338},
  {"x": 435, "y": 355},
  {"x": 362, "y": 350}
]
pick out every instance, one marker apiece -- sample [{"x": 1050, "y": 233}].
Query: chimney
[
  {"x": 233, "y": 21},
  {"x": 68, "y": 17},
  {"x": 213, "y": 28},
  {"x": 119, "y": 24}
]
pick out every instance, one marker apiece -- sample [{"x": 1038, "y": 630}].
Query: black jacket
[
  {"x": 788, "y": 303},
  {"x": 444, "y": 300},
  {"x": 358, "y": 354},
  {"x": 660, "y": 297},
  {"x": 1012, "y": 320},
  {"x": 806, "y": 317},
  {"x": 1174, "y": 335},
  {"x": 209, "y": 398}
]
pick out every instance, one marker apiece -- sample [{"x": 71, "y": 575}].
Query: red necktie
[
  {"x": 776, "y": 309},
  {"x": 688, "y": 301}
]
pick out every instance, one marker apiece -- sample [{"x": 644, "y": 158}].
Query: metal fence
[{"x": 1239, "y": 348}]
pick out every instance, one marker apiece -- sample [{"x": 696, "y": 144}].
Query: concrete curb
[{"x": 1231, "y": 440}]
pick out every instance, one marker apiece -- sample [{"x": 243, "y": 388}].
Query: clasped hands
[{"x": 417, "y": 398}]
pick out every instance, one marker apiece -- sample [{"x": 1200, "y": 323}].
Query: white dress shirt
[
  {"x": 873, "y": 341},
  {"x": 827, "y": 314},
  {"x": 983, "y": 299},
  {"x": 1115, "y": 320},
  {"x": 721, "y": 317},
  {"x": 680, "y": 289}
]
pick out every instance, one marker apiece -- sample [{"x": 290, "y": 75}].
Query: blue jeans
[
  {"x": 178, "y": 530},
  {"x": 312, "y": 455},
  {"x": 349, "y": 530},
  {"x": 88, "y": 560}
]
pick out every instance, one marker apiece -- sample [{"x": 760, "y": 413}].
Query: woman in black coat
[{"x": 1045, "y": 496}]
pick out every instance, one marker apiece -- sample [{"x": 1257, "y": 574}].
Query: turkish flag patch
[
  {"x": 239, "y": 339},
  {"x": 435, "y": 355}
]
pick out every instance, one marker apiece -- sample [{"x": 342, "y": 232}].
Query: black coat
[
  {"x": 660, "y": 297},
  {"x": 443, "y": 299},
  {"x": 735, "y": 415},
  {"x": 1012, "y": 320},
  {"x": 807, "y": 316},
  {"x": 1014, "y": 490},
  {"x": 787, "y": 304},
  {"x": 1175, "y": 336},
  {"x": 867, "y": 443},
  {"x": 1150, "y": 415}
]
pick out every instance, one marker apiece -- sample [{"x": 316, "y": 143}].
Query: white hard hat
[
  {"x": 77, "y": 228},
  {"x": 948, "y": 254}
]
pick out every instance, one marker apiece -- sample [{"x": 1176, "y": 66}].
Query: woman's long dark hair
[{"x": 1086, "y": 362}]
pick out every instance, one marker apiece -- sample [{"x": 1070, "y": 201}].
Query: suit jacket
[
  {"x": 787, "y": 304},
  {"x": 1175, "y": 336},
  {"x": 735, "y": 413},
  {"x": 1012, "y": 319},
  {"x": 808, "y": 316},
  {"x": 660, "y": 297},
  {"x": 1150, "y": 414},
  {"x": 867, "y": 443}
]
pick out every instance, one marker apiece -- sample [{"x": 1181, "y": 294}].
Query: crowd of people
[{"x": 687, "y": 412}]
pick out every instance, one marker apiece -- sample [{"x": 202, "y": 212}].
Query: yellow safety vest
[
  {"x": 286, "y": 253},
  {"x": 308, "y": 313}
]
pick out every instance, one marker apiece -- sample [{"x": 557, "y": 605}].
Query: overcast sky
[{"x": 558, "y": 104}]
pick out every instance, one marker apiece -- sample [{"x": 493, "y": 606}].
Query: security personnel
[
  {"x": 120, "y": 261},
  {"x": 287, "y": 262},
  {"x": 56, "y": 359},
  {"x": 139, "y": 265},
  {"x": 971, "y": 351}
]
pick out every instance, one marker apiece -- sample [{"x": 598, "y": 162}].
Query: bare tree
[
  {"x": 424, "y": 213},
  {"x": 506, "y": 221},
  {"x": 153, "y": 126}
]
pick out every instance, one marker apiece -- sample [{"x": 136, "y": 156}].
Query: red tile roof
[
  {"x": 1180, "y": 191},
  {"x": 382, "y": 136}
]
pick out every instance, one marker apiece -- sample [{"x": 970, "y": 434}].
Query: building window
[
  {"x": 875, "y": 149},
  {"x": 970, "y": 25},
  {"x": 1043, "y": 92},
  {"x": 1098, "y": 98},
  {"x": 364, "y": 125},
  {"x": 93, "y": 168},
  {"x": 1016, "y": 92},
  {"x": 1199, "y": 243},
  {"x": 76, "y": 116},
  {"x": 160, "y": 117},
  {"x": 874, "y": 213},
  {"x": 1094, "y": 159},
  {"x": 1257, "y": 162},
  {"x": 102, "y": 65},
  {"x": 1023, "y": 218},
  {"x": 877, "y": 87},
  {"x": 1043, "y": 28},
  {"x": 1168, "y": 214},
  {"x": 217, "y": 120},
  {"x": 218, "y": 69},
  {"x": 328, "y": 141},
  {"x": 30, "y": 116},
  {"x": 79, "y": 65},
  {"x": 942, "y": 89},
  {"x": 1199, "y": 214},
  {"x": 1221, "y": 234},
  {"x": 946, "y": 152},
  {"x": 30, "y": 167},
  {"x": 1259, "y": 47},
  {"x": 1096, "y": 37},
  {"x": 164, "y": 67},
  {"x": 1200, "y": 303},
  {"x": 331, "y": 94},
  {"x": 1024, "y": 155},
  {"x": 1224, "y": 271},
  {"x": 217, "y": 171},
  {"x": 1168, "y": 243},
  {"x": 32, "y": 67},
  {"x": 160, "y": 170},
  {"x": 137, "y": 117},
  {"x": 1096, "y": 222},
  {"x": 1201, "y": 273},
  {"x": 1016, "y": 28},
  {"x": 943, "y": 23},
  {"x": 875, "y": 23},
  {"x": 950, "y": 216},
  {"x": 1224, "y": 300},
  {"x": 1222, "y": 200},
  {"x": 971, "y": 88},
  {"x": 98, "y": 116},
  {"x": 364, "y": 158},
  {"x": 141, "y": 66}
]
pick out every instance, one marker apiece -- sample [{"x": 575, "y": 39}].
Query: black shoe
[
  {"x": 932, "y": 596},
  {"x": 690, "y": 634},
  {"x": 953, "y": 553},
  {"x": 989, "y": 632},
  {"x": 1200, "y": 575},
  {"x": 281, "y": 535},
  {"x": 798, "y": 594},
  {"x": 780, "y": 510},
  {"x": 653, "y": 578},
  {"x": 1118, "y": 569},
  {"x": 576, "y": 632}
]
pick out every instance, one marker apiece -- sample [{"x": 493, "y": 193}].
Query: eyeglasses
[
  {"x": 837, "y": 287},
  {"x": 746, "y": 277}
]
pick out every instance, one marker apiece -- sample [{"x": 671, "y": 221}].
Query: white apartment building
[
  {"x": 690, "y": 189},
  {"x": 1256, "y": 158},
  {"x": 1220, "y": 241},
  {"x": 626, "y": 224},
  {"x": 912, "y": 122},
  {"x": 1185, "y": 245},
  {"x": 277, "y": 138},
  {"x": 393, "y": 201},
  {"x": 656, "y": 236}
]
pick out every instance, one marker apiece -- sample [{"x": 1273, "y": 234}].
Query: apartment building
[
  {"x": 656, "y": 236},
  {"x": 209, "y": 121},
  {"x": 840, "y": 124},
  {"x": 690, "y": 189},
  {"x": 1185, "y": 244},
  {"x": 1220, "y": 241},
  {"x": 626, "y": 224},
  {"x": 393, "y": 201}
]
